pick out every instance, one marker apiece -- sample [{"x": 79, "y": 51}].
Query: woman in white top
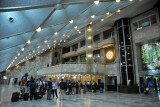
[{"x": 54, "y": 88}]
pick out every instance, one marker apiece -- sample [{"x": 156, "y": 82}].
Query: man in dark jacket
[
  {"x": 32, "y": 89},
  {"x": 49, "y": 89}
]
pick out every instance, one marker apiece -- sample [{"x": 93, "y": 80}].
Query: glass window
[
  {"x": 135, "y": 26},
  {"x": 153, "y": 19},
  {"x": 65, "y": 50},
  {"x": 83, "y": 43},
  {"x": 96, "y": 38},
  {"x": 108, "y": 34},
  {"x": 75, "y": 47},
  {"x": 145, "y": 22}
]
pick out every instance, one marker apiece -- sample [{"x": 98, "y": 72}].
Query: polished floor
[{"x": 107, "y": 99}]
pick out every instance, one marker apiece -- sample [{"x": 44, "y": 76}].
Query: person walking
[
  {"x": 49, "y": 88},
  {"x": 54, "y": 88}
]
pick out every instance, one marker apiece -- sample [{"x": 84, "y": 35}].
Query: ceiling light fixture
[
  {"x": 55, "y": 33},
  {"x": 45, "y": 41},
  {"x": 68, "y": 36},
  {"x": 33, "y": 51},
  {"x": 28, "y": 42},
  {"x": 75, "y": 27},
  {"x": 38, "y": 46},
  {"x": 118, "y": 1},
  {"x": 96, "y": 2},
  {"x": 54, "y": 40},
  {"x": 18, "y": 54},
  {"x": 130, "y": 0},
  {"x": 92, "y": 16},
  {"x": 102, "y": 20},
  {"x": 90, "y": 23},
  {"x": 118, "y": 10},
  {"x": 39, "y": 29},
  {"x": 63, "y": 35},
  {"x": 107, "y": 13},
  {"x": 71, "y": 21},
  {"x": 22, "y": 49}
]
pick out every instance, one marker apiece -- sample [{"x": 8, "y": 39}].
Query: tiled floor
[{"x": 108, "y": 99}]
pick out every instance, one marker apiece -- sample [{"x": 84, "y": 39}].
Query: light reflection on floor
[{"x": 108, "y": 99}]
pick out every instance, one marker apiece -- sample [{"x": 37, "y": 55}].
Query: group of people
[{"x": 51, "y": 86}]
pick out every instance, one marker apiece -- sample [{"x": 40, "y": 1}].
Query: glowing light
[
  {"x": 89, "y": 29},
  {"x": 107, "y": 13},
  {"x": 39, "y": 29},
  {"x": 63, "y": 35},
  {"x": 92, "y": 16},
  {"x": 89, "y": 46},
  {"x": 54, "y": 40},
  {"x": 18, "y": 54},
  {"x": 71, "y": 21},
  {"x": 15, "y": 57},
  {"x": 102, "y": 20},
  {"x": 89, "y": 37},
  {"x": 109, "y": 55},
  {"x": 28, "y": 42},
  {"x": 75, "y": 27},
  {"x": 90, "y": 23},
  {"x": 45, "y": 41},
  {"x": 33, "y": 51},
  {"x": 68, "y": 36},
  {"x": 89, "y": 55},
  {"x": 22, "y": 49},
  {"x": 96, "y": 2},
  {"x": 118, "y": 1},
  {"x": 130, "y": 0},
  {"x": 118, "y": 10},
  {"x": 38, "y": 47},
  {"x": 55, "y": 33}
]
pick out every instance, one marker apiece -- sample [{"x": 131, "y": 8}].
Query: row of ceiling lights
[{"x": 71, "y": 21}]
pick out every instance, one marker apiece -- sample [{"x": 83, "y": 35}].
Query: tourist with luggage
[
  {"x": 49, "y": 88},
  {"x": 22, "y": 85},
  {"x": 54, "y": 88}
]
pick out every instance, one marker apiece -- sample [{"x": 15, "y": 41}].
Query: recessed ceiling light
[
  {"x": 92, "y": 16},
  {"x": 118, "y": 1},
  {"x": 102, "y": 20},
  {"x": 45, "y": 41},
  {"x": 15, "y": 57},
  {"x": 22, "y": 49},
  {"x": 68, "y": 36},
  {"x": 107, "y": 13},
  {"x": 29, "y": 54},
  {"x": 71, "y": 21},
  {"x": 130, "y": 0},
  {"x": 75, "y": 27},
  {"x": 63, "y": 35},
  {"x": 33, "y": 51},
  {"x": 79, "y": 32},
  {"x": 90, "y": 23},
  {"x": 55, "y": 33},
  {"x": 18, "y": 54},
  {"x": 96, "y": 2},
  {"x": 54, "y": 40},
  {"x": 118, "y": 10},
  {"x": 39, "y": 29},
  {"x": 38, "y": 46},
  {"x": 28, "y": 42}
]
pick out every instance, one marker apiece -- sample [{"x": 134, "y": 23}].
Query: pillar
[{"x": 89, "y": 48}]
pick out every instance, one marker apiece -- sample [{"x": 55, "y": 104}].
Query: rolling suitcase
[
  {"x": 101, "y": 90},
  {"x": 15, "y": 97},
  {"x": 25, "y": 96}
]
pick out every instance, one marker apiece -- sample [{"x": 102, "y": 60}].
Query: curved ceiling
[{"x": 57, "y": 19}]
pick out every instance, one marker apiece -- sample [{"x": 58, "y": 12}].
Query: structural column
[
  {"x": 89, "y": 47},
  {"x": 125, "y": 51}
]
